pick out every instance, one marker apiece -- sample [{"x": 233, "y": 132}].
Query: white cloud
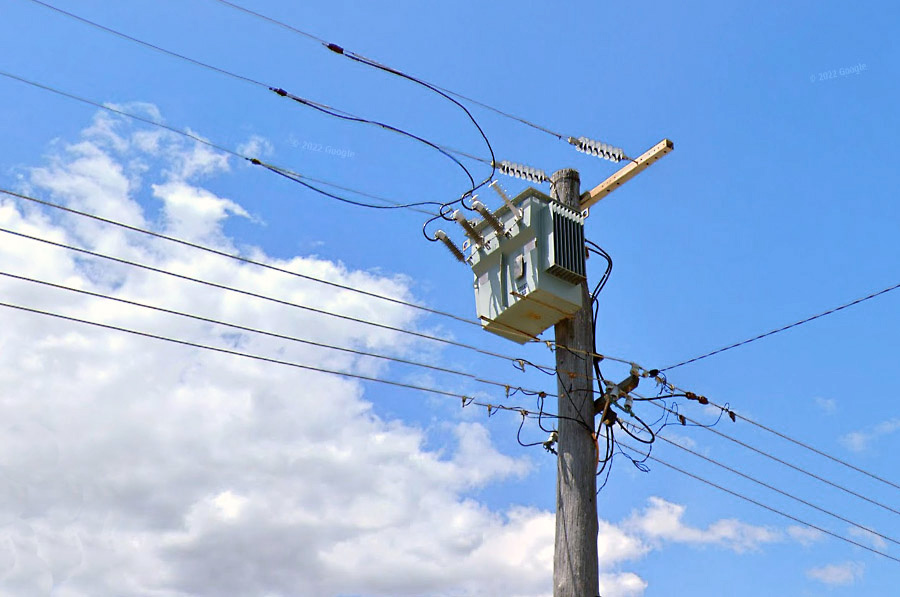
[
  {"x": 256, "y": 147},
  {"x": 869, "y": 537},
  {"x": 805, "y": 535},
  {"x": 859, "y": 441},
  {"x": 134, "y": 467},
  {"x": 828, "y": 405},
  {"x": 843, "y": 574},
  {"x": 662, "y": 521}
]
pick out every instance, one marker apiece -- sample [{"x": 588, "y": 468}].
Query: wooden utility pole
[{"x": 575, "y": 565}]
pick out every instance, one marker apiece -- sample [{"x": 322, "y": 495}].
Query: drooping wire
[
  {"x": 325, "y": 43},
  {"x": 253, "y": 160},
  {"x": 325, "y": 109}
]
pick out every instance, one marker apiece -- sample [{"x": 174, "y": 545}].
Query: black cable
[
  {"x": 273, "y": 21},
  {"x": 293, "y": 175},
  {"x": 786, "y": 327},
  {"x": 769, "y": 508},
  {"x": 279, "y": 91}
]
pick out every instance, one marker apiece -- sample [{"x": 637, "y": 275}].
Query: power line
[
  {"x": 777, "y": 459},
  {"x": 237, "y": 257},
  {"x": 735, "y": 416},
  {"x": 264, "y": 297},
  {"x": 780, "y": 491},
  {"x": 391, "y": 204},
  {"x": 466, "y": 399},
  {"x": 324, "y": 108},
  {"x": 253, "y": 330},
  {"x": 325, "y": 43},
  {"x": 783, "y": 328},
  {"x": 761, "y": 505}
]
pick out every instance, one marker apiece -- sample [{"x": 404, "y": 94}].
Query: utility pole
[{"x": 575, "y": 564}]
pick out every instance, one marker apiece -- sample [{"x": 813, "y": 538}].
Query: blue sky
[{"x": 777, "y": 203}]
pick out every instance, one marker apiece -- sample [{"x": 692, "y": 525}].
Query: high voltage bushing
[
  {"x": 457, "y": 252},
  {"x": 524, "y": 172},
  {"x": 598, "y": 149},
  {"x": 488, "y": 216},
  {"x": 460, "y": 218}
]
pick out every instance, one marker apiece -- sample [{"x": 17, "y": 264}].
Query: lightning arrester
[{"x": 442, "y": 236}]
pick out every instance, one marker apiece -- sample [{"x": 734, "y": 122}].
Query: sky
[{"x": 135, "y": 466}]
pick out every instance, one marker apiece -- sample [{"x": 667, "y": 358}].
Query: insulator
[
  {"x": 499, "y": 190},
  {"x": 442, "y": 236},
  {"x": 598, "y": 149},
  {"x": 460, "y": 218},
  {"x": 489, "y": 217},
  {"x": 524, "y": 172}
]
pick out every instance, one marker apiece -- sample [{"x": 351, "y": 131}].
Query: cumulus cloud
[
  {"x": 828, "y": 405},
  {"x": 859, "y": 441},
  {"x": 662, "y": 521},
  {"x": 843, "y": 574}
]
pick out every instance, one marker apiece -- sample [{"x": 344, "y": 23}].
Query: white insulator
[{"x": 598, "y": 149}]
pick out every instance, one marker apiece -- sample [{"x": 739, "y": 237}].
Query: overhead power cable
[
  {"x": 775, "y": 458},
  {"x": 309, "y": 103},
  {"x": 466, "y": 399},
  {"x": 762, "y": 505},
  {"x": 456, "y": 94},
  {"x": 439, "y": 339},
  {"x": 238, "y": 257},
  {"x": 784, "y": 328},
  {"x": 780, "y": 491},
  {"x": 279, "y": 336},
  {"x": 391, "y": 204}
]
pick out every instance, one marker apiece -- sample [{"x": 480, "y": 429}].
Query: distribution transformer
[{"x": 529, "y": 265}]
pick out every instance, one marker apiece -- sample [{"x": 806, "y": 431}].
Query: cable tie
[{"x": 335, "y": 48}]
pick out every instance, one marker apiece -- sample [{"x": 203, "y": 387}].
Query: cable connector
[
  {"x": 489, "y": 217},
  {"x": 442, "y": 236},
  {"x": 598, "y": 149},
  {"x": 548, "y": 445},
  {"x": 524, "y": 172}
]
